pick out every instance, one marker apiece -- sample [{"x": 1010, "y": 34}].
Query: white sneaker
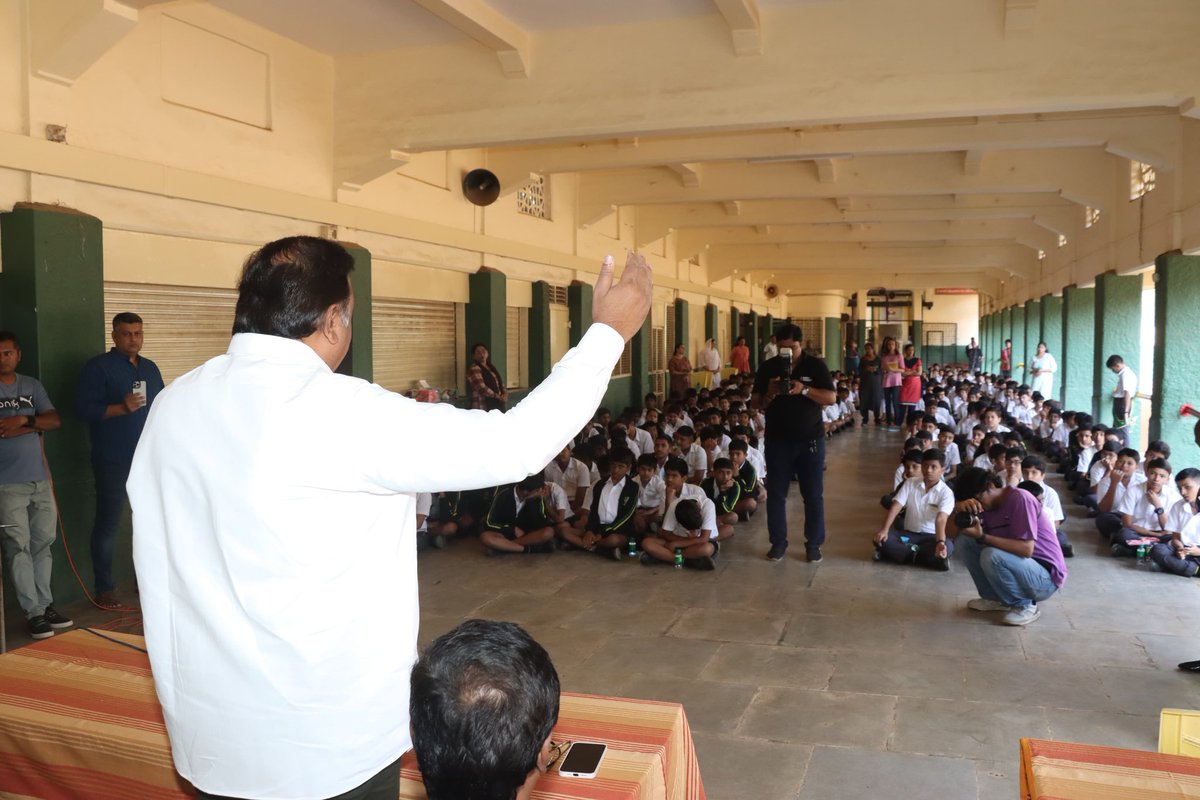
[
  {"x": 1022, "y": 616},
  {"x": 979, "y": 604}
]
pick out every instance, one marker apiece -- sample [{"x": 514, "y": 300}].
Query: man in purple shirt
[{"x": 1009, "y": 546}]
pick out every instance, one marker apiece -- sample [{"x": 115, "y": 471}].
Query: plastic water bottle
[
  {"x": 678, "y": 558},
  {"x": 632, "y": 550},
  {"x": 1141, "y": 552}
]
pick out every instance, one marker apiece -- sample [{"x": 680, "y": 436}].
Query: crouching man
[
  {"x": 483, "y": 702},
  {"x": 1008, "y": 545}
]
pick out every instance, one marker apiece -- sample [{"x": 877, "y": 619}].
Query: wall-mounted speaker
[{"x": 481, "y": 187}]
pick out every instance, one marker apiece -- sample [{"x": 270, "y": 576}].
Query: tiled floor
[{"x": 847, "y": 679}]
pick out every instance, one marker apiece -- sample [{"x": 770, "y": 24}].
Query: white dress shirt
[
  {"x": 708, "y": 511},
  {"x": 1141, "y": 510},
  {"x": 922, "y": 506},
  {"x": 575, "y": 474},
  {"x": 274, "y": 531},
  {"x": 610, "y": 501},
  {"x": 1135, "y": 480},
  {"x": 652, "y": 493},
  {"x": 1181, "y": 520}
]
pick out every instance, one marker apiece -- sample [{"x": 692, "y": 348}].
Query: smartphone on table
[{"x": 582, "y": 760}]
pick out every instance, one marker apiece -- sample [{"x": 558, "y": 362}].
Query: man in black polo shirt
[{"x": 795, "y": 439}]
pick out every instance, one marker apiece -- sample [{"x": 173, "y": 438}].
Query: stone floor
[{"x": 847, "y": 679}]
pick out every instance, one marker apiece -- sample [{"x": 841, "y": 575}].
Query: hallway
[{"x": 847, "y": 679}]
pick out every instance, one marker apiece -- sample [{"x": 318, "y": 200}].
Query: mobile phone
[{"x": 583, "y": 760}]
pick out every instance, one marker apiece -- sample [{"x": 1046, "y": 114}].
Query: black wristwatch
[{"x": 30, "y": 421}]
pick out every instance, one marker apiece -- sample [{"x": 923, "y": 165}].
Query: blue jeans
[
  {"x": 805, "y": 461},
  {"x": 1006, "y": 578},
  {"x": 891, "y": 404},
  {"x": 110, "y": 503}
]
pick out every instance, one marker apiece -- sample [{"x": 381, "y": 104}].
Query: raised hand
[{"x": 623, "y": 306}]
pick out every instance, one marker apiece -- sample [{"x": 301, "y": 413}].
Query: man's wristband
[{"x": 31, "y": 422}]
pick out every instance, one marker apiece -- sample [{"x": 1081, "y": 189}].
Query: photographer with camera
[
  {"x": 794, "y": 389},
  {"x": 1008, "y": 545}
]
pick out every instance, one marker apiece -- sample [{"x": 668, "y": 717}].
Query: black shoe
[
  {"x": 615, "y": 553},
  {"x": 1068, "y": 551},
  {"x": 648, "y": 560},
  {"x": 56, "y": 620},
  {"x": 438, "y": 541},
  {"x": 39, "y": 628},
  {"x": 813, "y": 555},
  {"x": 776, "y": 553},
  {"x": 941, "y": 564},
  {"x": 704, "y": 563},
  {"x": 1190, "y": 666}
]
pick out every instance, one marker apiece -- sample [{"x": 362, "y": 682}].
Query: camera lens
[{"x": 964, "y": 519}]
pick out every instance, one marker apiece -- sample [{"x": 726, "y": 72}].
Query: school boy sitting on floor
[
  {"x": 1181, "y": 556},
  {"x": 690, "y": 526},
  {"x": 614, "y": 503},
  {"x": 652, "y": 492},
  {"x": 1144, "y": 509},
  {"x": 753, "y": 492},
  {"x": 926, "y": 502},
  {"x": 517, "y": 521},
  {"x": 726, "y": 495}
]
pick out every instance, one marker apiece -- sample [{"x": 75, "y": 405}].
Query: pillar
[
  {"x": 487, "y": 316},
  {"x": 579, "y": 309},
  {"x": 1018, "y": 343},
  {"x": 53, "y": 300},
  {"x": 752, "y": 336},
  {"x": 1176, "y": 351},
  {"x": 1078, "y": 348},
  {"x": 1118, "y": 330},
  {"x": 833, "y": 343},
  {"x": 1032, "y": 334},
  {"x": 1006, "y": 320},
  {"x": 1052, "y": 333},
  {"x": 360, "y": 361},
  {"x": 539, "y": 333},
  {"x": 641, "y": 384},
  {"x": 991, "y": 348},
  {"x": 735, "y": 327},
  {"x": 918, "y": 338},
  {"x": 711, "y": 322},
  {"x": 765, "y": 328},
  {"x": 860, "y": 335}
]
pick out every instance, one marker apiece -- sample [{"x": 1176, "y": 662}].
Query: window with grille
[
  {"x": 625, "y": 365},
  {"x": 533, "y": 198},
  {"x": 812, "y": 330},
  {"x": 658, "y": 360},
  {"x": 515, "y": 333},
  {"x": 558, "y": 294},
  {"x": 669, "y": 349},
  {"x": 414, "y": 340},
  {"x": 1142, "y": 178},
  {"x": 940, "y": 345},
  {"x": 1090, "y": 216},
  {"x": 184, "y": 325}
]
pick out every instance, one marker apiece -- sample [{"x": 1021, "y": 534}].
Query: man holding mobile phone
[{"x": 115, "y": 393}]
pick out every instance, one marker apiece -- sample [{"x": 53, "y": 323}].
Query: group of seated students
[{"x": 666, "y": 486}]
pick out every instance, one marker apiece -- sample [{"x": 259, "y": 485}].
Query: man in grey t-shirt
[{"x": 27, "y": 513}]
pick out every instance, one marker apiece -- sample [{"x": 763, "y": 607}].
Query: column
[
  {"x": 1006, "y": 328},
  {"x": 735, "y": 327},
  {"x": 579, "y": 309},
  {"x": 752, "y": 336},
  {"x": 833, "y": 343},
  {"x": 360, "y": 361},
  {"x": 1078, "y": 348},
  {"x": 1176, "y": 351},
  {"x": 681, "y": 332},
  {"x": 860, "y": 335},
  {"x": 710, "y": 322},
  {"x": 1032, "y": 334},
  {"x": 765, "y": 328},
  {"x": 1118, "y": 330},
  {"x": 1018, "y": 343},
  {"x": 486, "y": 316},
  {"x": 1052, "y": 335},
  {"x": 53, "y": 299},
  {"x": 641, "y": 384},
  {"x": 539, "y": 333}
]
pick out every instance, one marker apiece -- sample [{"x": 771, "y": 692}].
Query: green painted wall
[
  {"x": 1052, "y": 331},
  {"x": 486, "y": 316},
  {"x": 1118, "y": 329},
  {"x": 54, "y": 301},
  {"x": 682, "y": 331},
  {"x": 579, "y": 309},
  {"x": 1006, "y": 329},
  {"x": 1032, "y": 334},
  {"x": 1077, "y": 362},
  {"x": 1176, "y": 352},
  {"x": 753, "y": 334},
  {"x": 735, "y": 328},
  {"x": 918, "y": 338},
  {"x": 834, "y": 349},
  {"x": 860, "y": 335},
  {"x": 1018, "y": 345},
  {"x": 640, "y": 383},
  {"x": 360, "y": 361},
  {"x": 710, "y": 324},
  {"x": 539, "y": 333}
]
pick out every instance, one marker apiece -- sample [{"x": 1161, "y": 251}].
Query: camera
[
  {"x": 786, "y": 381},
  {"x": 965, "y": 519}
]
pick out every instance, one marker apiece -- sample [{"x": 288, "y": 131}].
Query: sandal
[{"x": 108, "y": 600}]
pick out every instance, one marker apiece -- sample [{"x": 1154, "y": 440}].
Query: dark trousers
[
  {"x": 804, "y": 461},
  {"x": 891, "y": 405},
  {"x": 903, "y": 547},
  {"x": 110, "y": 504},
  {"x": 1120, "y": 424},
  {"x": 1109, "y": 525},
  {"x": 385, "y": 785},
  {"x": 1166, "y": 557}
]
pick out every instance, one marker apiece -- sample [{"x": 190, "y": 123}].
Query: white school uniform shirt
[
  {"x": 755, "y": 457},
  {"x": 1052, "y": 503},
  {"x": 575, "y": 474},
  {"x": 1181, "y": 520},
  {"x": 1135, "y": 480},
  {"x": 831, "y": 413},
  {"x": 968, "y": 424},
  {"x": 1023, "y": 414},
  {"x": 898, "y": 478},
  {"x": 942, "y": 416},
  {"x": 652, "y": 493},
  {"x": 1096, "y": 473},
  {"x": 696, "y": 459},
  {"x": 610, "y": 500},
  {"x": 668, "y": 428},
  {"x": 708, "y": 511},
  {"x": 424, "y": 503},
  {"x": 1126, "y": 383},
  {"x": 268, "y": 688},
  {"x": 645, "y": 441},
  {"x": 922, "y": 506},
  {"x": 558, "y": 500},
  {"x": 953, "y": 457},
  {"x": 1135, "y": 504},
  {"x": 1061, "y": 435},
  {"x": 1084, "y": 463},
  {"x": 847, "y": 407},
  {"x": 983, "y": 461}
]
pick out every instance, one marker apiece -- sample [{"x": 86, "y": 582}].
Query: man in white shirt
[
  {"x": 926, "y": 502},
  {"x": 770, "y": 349},
  {"x": 270, "y": 541},
  {"x": 1123, "y": 396}
]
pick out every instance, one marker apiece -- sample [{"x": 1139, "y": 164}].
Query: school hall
[{"x": 937, "y": 171}]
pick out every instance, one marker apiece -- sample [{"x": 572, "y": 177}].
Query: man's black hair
[
  {"x": 687, "y": 514},
  {"x": 532, "y": 483},
  {"x": 1113, "y": 361},
  {"x": 1033, "y": 462},
  {"x": 933, "y": 454},
  {"x": 1129, "y": 452},
  {"x": 914, "y": 455},
  {"x": 622, "y": 455},
  {"x": 739, "y": 445},
  {"x": 1159, "y": 446},
  {"x": 287, "y": 285},
  {"x": 484, "y": 700},
  {"x": 677, "y": 465},
  {"x": 722, "y": 463},
  {"x": 1033, "y": 487},
  {"x": 789, "y": 331},
  {"x": 9, "y": 336},
  {"x": 647, "y": 460},
  {"x": 126, "y": 318},
  {"x": 974, "y": 481},
  {"x": 685, "y": 430},
  {"x": 1158, "y": 463}
]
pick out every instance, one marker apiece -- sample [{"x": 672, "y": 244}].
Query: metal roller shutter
[
  {"x": 185, "y": 325},
  {"x": 414, "y": 340},
  {"x": 514, "y": 322}
]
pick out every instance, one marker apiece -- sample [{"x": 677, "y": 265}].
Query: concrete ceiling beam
[
  {"x": 745, "y": 25},
  {"x": 479, "y": 21},
  {"x": 68, "y": 36}
]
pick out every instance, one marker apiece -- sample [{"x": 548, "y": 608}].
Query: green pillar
[
  {"x": 53, "y": 300},
  {"x": 579, "y": 309},
  {"x": 1176, "y": 351},
  {"x": 539, "y": 333},
  {"x": 1018, "y": 345},
  {"x": 1032, "y": 334},
  {"x": 833, "y": 343},
  {"x": 766, "y": 327},
  {"x": 710, "y": 322},
  {"x": 918, "y": 338},
  {"x": 988, "y": 343},
  {"x": 682, "y": 330},
  {"x": 640, "y": 367},
  {"x": 360, "y": 361},
  {"x": 1052, "y": 331},
  {"x": 1118, "y": 326},
  {"x": 1078, "y": 348},
  {"x": 1006, "y": 320},
  {"x": 860, "y": 335},
  {"x": 752, "y": 336},
  {"x": 487, "y": 316}
]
